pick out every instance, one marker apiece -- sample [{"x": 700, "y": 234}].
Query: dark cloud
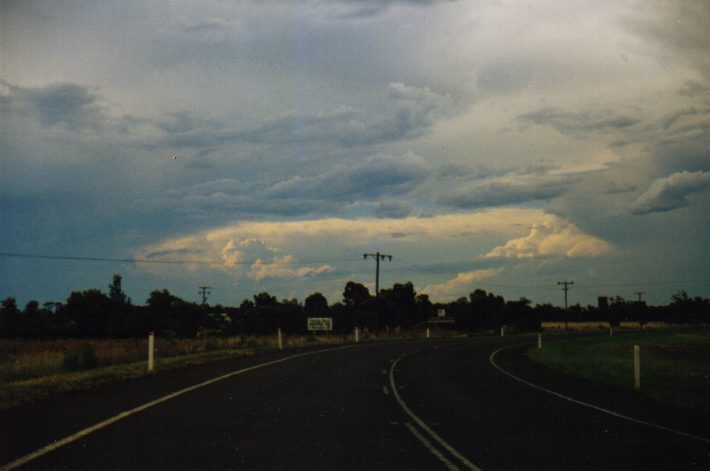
[
  {"x": 411, "y": 111},
  {"x": 371, "y": 178},
  {"x": 393, "y": 209},
  {"x": 366, "y": 8},
  {"x": 498, "y": 193},
  {"x": 680, "y": 29},
  {"x": 579, "y": 124},
  {"x": 671, "y": 192},
  {"x": 329, "y": 192},
  {"x": 64, "y": 105},
  {"x": 206, "y": 25}
]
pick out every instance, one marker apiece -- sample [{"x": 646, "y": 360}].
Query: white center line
[{"x": 435, "y": 436}]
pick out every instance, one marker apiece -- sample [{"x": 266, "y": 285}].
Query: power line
[
  {"x": 402, "y": 265},
  {"x": 164, "y": 261}
]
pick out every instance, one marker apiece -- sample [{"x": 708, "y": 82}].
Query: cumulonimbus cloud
[
  {"x": 460, "y": 284},
  {"x": 552, "y": 237}
]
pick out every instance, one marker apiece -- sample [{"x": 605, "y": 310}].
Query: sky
[{"x": 255, "y": 146}]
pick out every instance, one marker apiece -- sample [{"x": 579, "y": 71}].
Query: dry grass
[
  {"x": 601, "y": 325},
  {"x": 31, "y": 369}
]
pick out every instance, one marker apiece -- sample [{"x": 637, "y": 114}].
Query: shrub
[{"x": 82, "y": 358}]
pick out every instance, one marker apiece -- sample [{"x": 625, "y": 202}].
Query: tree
[
  {"x": 85, "y": 313},
  {"x": 355, "y": 294},
  {"x": 316, "y": 305},
  {"x": 169, "y": 314},
  {"x": 9, "y": 318},
  {"x": 115, "y": 292},
  {"x": 32, "y": 323},
  {"x": 264, "y": 299},
  {"x": 119, "y": 309},
  {"x": 398, "y": 305}
]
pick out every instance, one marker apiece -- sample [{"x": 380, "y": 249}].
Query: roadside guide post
[
  {"x": 539, "y": 341},
  {"x": 151, "y": 352},
  {"x": 637, "y": 367},
  {"x": 357, "y": 335},
  {"x": 280, "y": 340}
]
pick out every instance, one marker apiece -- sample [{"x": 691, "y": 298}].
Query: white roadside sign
[{"x": 320, "y": 323}]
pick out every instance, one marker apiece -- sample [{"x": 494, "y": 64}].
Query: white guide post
[
  {"x": 428, "y": 333},
  {"x": 502, "y": 331},
  {"x": 611, "y": 331},
  {"x": 357, "y": 335},
  {"x": 539, "y": 341},
  {"x": 278, "y": 333},
  {"x": 637, "y": 367},
  {"x": 151, "y": 352}
]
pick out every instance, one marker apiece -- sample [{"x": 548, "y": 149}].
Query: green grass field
[{"x": 675, "y": 364}]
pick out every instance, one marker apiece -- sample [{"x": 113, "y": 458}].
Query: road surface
[{"x": 414, "y": 405}]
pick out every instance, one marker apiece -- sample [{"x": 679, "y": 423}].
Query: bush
[{"x": 82, "y": 358}]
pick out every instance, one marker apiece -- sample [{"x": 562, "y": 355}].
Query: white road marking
[
  {"x": 592, "y": 406},
  {"x": 427, "y": 444},
  {"x": 72, "y": 438},
  {"x": 424, "y": 426}
]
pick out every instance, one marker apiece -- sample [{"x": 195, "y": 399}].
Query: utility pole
[
  {"x": 377, "y": 256},
  {"x": 639, "y": 294},
  {"x": 565, "y": 285},
  {"x": 205, "y": 291}
]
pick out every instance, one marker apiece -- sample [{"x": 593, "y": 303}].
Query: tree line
[{"x": 97, "y": 314}]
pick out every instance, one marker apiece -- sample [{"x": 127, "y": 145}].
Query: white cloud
[
  {"x": 670, "y": 192},
  {"x": 461, "y": 285},
  {"x": 282, "y": 267},
  {"x": 552, "y": 237}
]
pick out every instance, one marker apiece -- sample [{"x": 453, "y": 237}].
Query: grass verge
[
  {"x": 29, "y": 390},
  {"x": 675, "y": 365},
  {"x": 34, "y": 369}
]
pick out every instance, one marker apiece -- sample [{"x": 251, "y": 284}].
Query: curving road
[{"x": 419, "y": 404}]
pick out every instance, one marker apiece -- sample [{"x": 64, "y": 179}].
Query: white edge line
[
  {"x": 586, "y": 404},
  {"x": 427, "y": 444},
  {"x": 423, "y": 425},
  {"x": 82, "y": 433}
]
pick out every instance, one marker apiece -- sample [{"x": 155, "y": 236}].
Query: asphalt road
[{"x": 425, "y": 404}]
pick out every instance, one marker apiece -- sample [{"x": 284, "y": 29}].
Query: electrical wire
[
  {"x": 165, "y": 261},
  {"x": 400, "y": 263}
]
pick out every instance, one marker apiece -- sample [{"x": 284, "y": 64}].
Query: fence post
[
  {"x": 278, "y": 333},
  {"x": 539, "y": 341},
  {"x": 151, "y": 352},
  {"x": 637, "y": 367}
]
